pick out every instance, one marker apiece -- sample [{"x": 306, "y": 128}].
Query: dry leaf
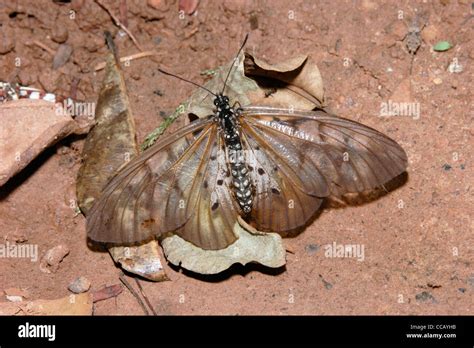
[
  {"x": 109, "y": 145},
  {"x": 295, "y": 83},
  {"x": 264, "y": 248},
  {"x": 107, "y": 292},
  {"x": 143, "y": 260}
]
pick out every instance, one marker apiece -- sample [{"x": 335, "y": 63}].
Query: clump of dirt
[{"x": 417, "y": 235}]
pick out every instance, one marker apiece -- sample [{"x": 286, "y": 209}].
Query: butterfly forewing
[{"x": 178, "y": 185}]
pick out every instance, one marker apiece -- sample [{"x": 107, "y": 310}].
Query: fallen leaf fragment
[
  {"x": 70, "y": 305},
  {"x": 107, "y": 292},
  {"x": 143, "y": 260},
  {"x": 109, "y": 145},
  {"x": 263, "y": 248},
  {"x": 442, "y": 46}
]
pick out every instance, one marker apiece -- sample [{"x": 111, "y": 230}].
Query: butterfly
[{"x": 273, "y": 167}]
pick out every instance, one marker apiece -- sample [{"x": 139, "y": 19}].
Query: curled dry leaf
[
  {"x": 263, "y": 248},
  {"x": 109, "y": 145},
  {"x": 294, "y": 83}
]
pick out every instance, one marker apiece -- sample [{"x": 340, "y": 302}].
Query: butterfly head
[{"x": 221, "y": 102}]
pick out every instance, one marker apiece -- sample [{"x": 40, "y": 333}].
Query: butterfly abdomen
[{"x": 236, "y": 160}]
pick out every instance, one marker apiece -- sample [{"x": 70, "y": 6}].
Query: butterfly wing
[
  {"x": 178, "y": 185},
  {"x": 304, "y": 156}
]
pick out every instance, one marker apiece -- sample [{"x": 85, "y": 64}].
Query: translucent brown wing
[
  {"x": 303, "y": 156},
  {"x": 178, "y": 185}
]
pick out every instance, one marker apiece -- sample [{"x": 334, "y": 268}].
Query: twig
[
  {"x": 134, "y": 293},
  {"x": 119, "y": 24},
  {"x": 139, "y": 55},
  {"x": 44, "y": 47},
  {"x": 123, "y": 12},
  {"x": 145, "y": 297}
]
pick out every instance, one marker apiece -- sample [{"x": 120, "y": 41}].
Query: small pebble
[
  {"x": 455, "y": 67},
  {"x": 311, "y": 248},
  {"x": 15, "y": 294},
  {"x": 327, "y": 284},
  {"x": 424, "y": 296},
  {"x": 470, "y": 280},
  {"x": 53, "y": 257},
  {"x": 59, "y": 33},
  {"x": 447, "y": 167},
  {"x": 437, "y": 81},
  {"x": 63, "y": 54},
  {"x": 79, "y": 285},
  {"x": 14, "y": 298}
]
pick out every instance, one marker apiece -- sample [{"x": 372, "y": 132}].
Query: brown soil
[{"x": 418, "y": 239}]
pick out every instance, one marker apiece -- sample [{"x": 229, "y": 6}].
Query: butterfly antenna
[
  {"x": 183, "y": 79},
  {"x": 233, "y": 62}
]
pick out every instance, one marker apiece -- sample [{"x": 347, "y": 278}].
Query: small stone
[
  {"x": 93, "y": 43},
  {"x": 455, "y": 67},
  {"x": 79, "y": 285},
  {"x": 59, "y": 33},
  {"x": 62, "y": 56},
  {"x": 447, "y": 167},
  {"x": 15, "y": 294},
  {"x": 53, "y": 257},
  {"x": 437, "y": 81},
  {"x": 424, "y": 296},
  {"x": 470, "y": 280},
  {"x": 430, "y": 33},
  {"x": 463, "y": 290},
  {"x": 76, "y": 5},
  {"x": 14, "y": 298},
  {"x": 18, "y": 237},
  {"x": 327, "y": 284},
  {"x": 311, "y": 248}
]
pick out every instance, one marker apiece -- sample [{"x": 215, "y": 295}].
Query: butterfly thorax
[{"x": 229, "y": 126}]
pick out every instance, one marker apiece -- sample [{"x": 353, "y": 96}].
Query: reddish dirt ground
[{"x": 418, "y": 239}]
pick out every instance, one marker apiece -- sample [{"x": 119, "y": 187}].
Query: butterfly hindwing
[{"x": 327, "y": 154}]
